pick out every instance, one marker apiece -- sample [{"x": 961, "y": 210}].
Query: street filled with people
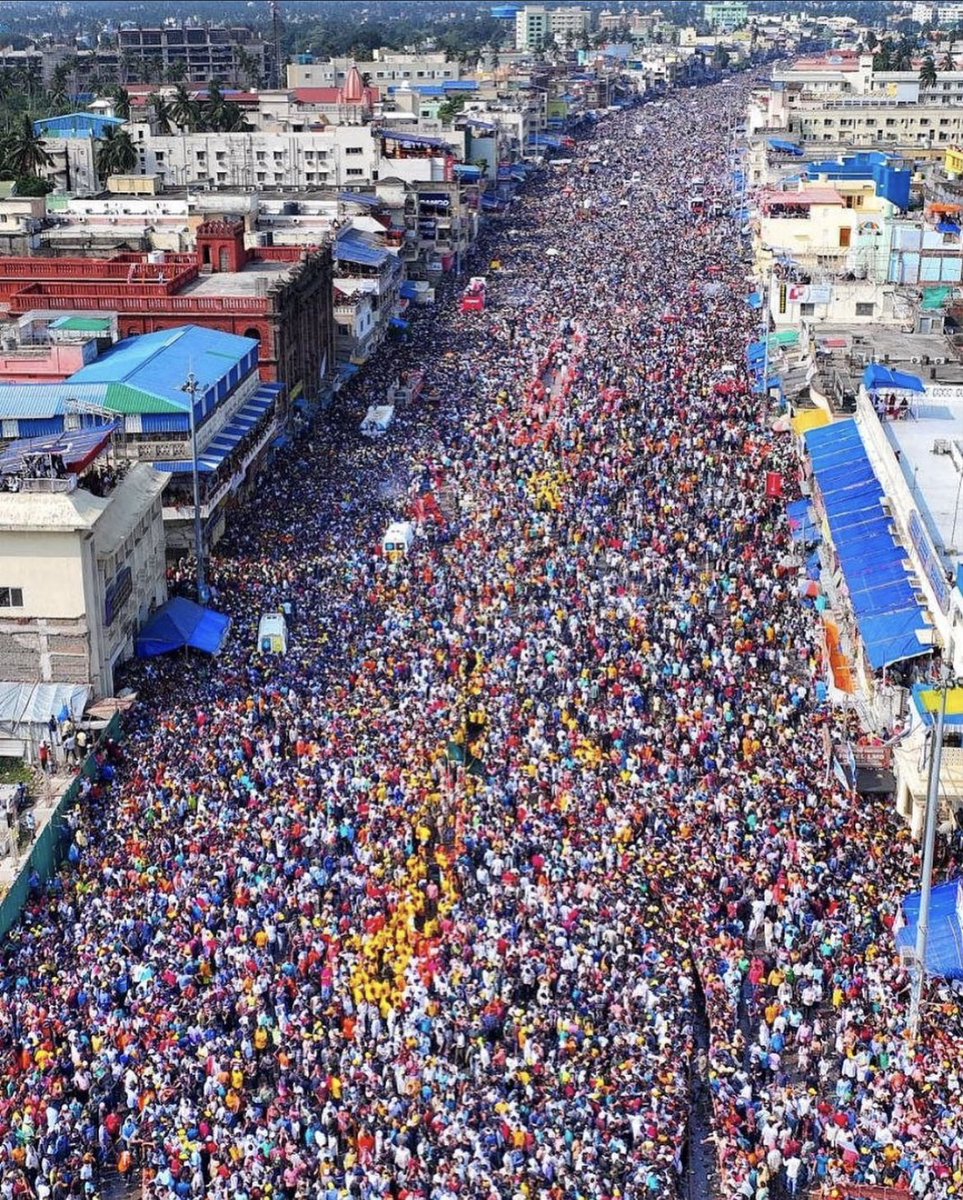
[{"x": 528, "y": 842}]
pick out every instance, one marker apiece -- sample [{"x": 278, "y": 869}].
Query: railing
[{"x": 25, "y": 300}]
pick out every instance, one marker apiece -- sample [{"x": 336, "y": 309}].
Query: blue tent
[
  {"x": 784, "y": 147},
  {"x": 754, "y": 299},
  {"x": 944, "y": 944},
  {"x": 180, "y": 623},
  {"x": 878, "y": 376}
]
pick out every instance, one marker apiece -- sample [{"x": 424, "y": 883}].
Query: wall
[{"x": 54, "y": 364}]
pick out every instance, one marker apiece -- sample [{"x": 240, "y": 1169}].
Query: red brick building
[{"x": 280, "y": 295}]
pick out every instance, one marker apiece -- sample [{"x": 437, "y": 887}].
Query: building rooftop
[
  {"x": 934, "y": 476},
  {"x": 254, "y": 280}
]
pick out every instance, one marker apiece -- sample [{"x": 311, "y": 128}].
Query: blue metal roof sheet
[
  {"x": 352, "y": 248},
  {"x": 38, "y": 400},
  {"x": 159, "y": 363}
]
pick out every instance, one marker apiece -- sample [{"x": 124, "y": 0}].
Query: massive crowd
[{"x": 436, "y": 905}]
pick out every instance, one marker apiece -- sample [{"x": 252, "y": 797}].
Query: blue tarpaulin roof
[
  {"x": 408, "y": 291},
  {"x": 802, "y": 522},
  {"x": 785, "y": 147},
  {"x": 353, "y": 249},
  {"x": 877, "y": 375},
  {"x": 360, "y": 198},
  {"x": 754, "y": 299},
  {"x": 944, "y": 942},
  {"x": 399, "y": 323},
  {"x": 880, "y": 587},
  {"x": 180, "y": 623}
]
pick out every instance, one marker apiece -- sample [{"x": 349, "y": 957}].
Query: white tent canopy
[{"x": 25, "y": 709}]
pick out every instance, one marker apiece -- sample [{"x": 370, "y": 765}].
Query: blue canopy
[
  {"x": 947, "y": 227},
  {"x": 180, "y": 623},
  {"x": 784, "y": 147},
  {"x": 754, "y": 299},
  {"x": 408, "y": 291},
  {"x": 399, "y": 323},
  {"x": 353, "y": 249},
  {"x": 944, "y": 942},
  {"x": 877, "y": 376},
  {"x": 880, "y": 588}
]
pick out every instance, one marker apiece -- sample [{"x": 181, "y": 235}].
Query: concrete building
[
  {"x": 140, "y": 384},
  {"x": 83, "y": 562},
  {"x": 537, "y": 27},
  {"x": 279, "y": 296},
  {"x": 724, "y": 15},
  {"x": 196, "y": 53},
  {"x": 386, "y": 69}
]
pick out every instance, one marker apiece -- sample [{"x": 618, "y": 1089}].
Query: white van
[
  {"x": 398, "y": 539},
  {"x": 377, "y": 419},
  {"x": 272, "y": 634}
]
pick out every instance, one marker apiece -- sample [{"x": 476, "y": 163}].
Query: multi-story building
[
  {"x": 83, "y": 552},
  {"x": 195, "y": 53},
  {"x": 384, "y": 70},
  {"x": 537, "y": 27},
  {"x": 724, "y": 15},
  {"x": 279, "y": 296},
  {"x": 149, "y": 385},
  {"x": 192, "y": 53}
]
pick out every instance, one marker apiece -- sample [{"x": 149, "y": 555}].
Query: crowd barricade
[{"x": 50, "y": 848}]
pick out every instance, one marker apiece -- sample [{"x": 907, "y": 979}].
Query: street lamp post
[
  {"x": 192, "y": 387},
  {"x": 929, "y": 847}
]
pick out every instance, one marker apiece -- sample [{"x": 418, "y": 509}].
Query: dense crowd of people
[{"x": 441, "y": 902}]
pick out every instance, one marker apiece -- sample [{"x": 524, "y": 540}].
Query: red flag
[{"x": 773, "y": 484}]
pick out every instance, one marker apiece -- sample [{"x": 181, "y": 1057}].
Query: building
[
  {"x": 724, "y": 15},
  {"x": 71, "y": 142},
  {"x": 153, "y": 388},
  {"x": 386, "y": 69},
  {"x": 83, "y": 557},
  {"x": 537, "y": 27},
  {"x": 279, "y": 296},
  {"x": 194, "y": 53}
]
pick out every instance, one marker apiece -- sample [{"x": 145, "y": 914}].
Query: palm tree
[
  {"x": 153, "y": 71},
  {"x": 163, "y": 115},
  {"x": 928, "y": 72},
  {"x": 26, "y": 149},
  {"x": 246, "y": 66},
  {"x": 175, "y": 72},
  {"x": 948, "y": 63},
  {"x": 116, "y": 154},
  {"x": 121, "y": 99},
  {"x": 214, "y": 111},
  {"x": 184, "y": 108},
  {"x": 232, "y": 120}
]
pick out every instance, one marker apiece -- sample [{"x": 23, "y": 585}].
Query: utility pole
[
  {"x": 192, "y": 387},
  {"x": 929, "y": 845},
  {"x": 276, "y": 34}
]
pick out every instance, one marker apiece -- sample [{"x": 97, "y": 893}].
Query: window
[
  {"x": 159, "y": 155},
  {"x": 865, "y": 308},
  {"x": 354, "y": 171},
  {"x": 354, "y": 149},
  {"x": 344, "y": 330},
  {"x": 11, "y": 597},
  {"x": 844, "y": 235},
  {"x": 807, "y": 309}
]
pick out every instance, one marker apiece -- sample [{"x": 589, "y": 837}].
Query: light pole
[
  {"x": 929, "y": 846},
  {"x": 192, "y": 387}
]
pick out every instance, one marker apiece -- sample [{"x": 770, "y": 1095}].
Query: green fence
[{"x": 51, "y": 846}]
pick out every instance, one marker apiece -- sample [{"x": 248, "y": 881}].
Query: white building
[
  {"x": 384, "y": 70},
  {"x": 81, "y": 573},
  {"x": 537, "y": 27}
]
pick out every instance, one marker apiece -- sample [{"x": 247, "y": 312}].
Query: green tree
[
  {"x": 185, "y": 110},
  {"x": 449, "y": 109},
  {"x": 33, "y": 185},
  {"x": 116, "y": 153},
  {"x": 948, "y": 63},
  {"x": 214, "y": 112},
  {"x": 121, "y": 99},
  {"x": 25, "y": 150},
  {"x": 175, "y": 72},
  {"x": 163, "y": 116},
  {"x": 247, "y": 69},
  {"x": 928, "y": 72}
]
